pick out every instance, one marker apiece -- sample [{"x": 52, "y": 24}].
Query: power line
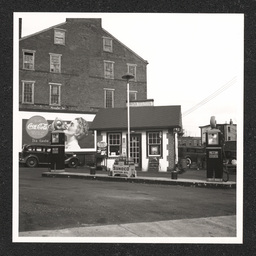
[{"x": 210, "y": 97}]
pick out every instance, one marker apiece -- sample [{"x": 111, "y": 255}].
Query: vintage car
[{"x": 33, "y": 155}]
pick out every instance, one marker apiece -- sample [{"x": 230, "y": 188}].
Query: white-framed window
[
  {"x": 131, "y": 69},
  {"x": 109, "y": 98},
  {"x": 114, "y": 144},
  {"x": 55, "y": 63},
  {"x": 109, "y": 69},
  {"x": 55, "y": 93},
  {"x": 132, "y": 95},
  {"x": 107, "y": 44},
  {"x": 28, "y": 92},
  {"x": 29, "y": 59},
  {"x": 59, "y": 36},
  {"x": 154, "y": 143}
]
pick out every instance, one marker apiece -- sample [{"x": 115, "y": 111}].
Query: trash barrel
[
  {"x": 174, "y": 175},
  {"x": 92, "y": 170}
]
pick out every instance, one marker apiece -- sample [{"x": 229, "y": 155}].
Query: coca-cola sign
[{"x": 37, "y": 127}]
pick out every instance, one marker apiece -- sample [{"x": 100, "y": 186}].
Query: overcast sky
[{"x": 195, "y": 60}]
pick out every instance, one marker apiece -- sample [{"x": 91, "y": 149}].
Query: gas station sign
[{"x": 213, "y": 154}]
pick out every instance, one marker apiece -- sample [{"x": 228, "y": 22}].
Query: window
[
  {"x": 28, "y": 59},
  {"x": 132, "y": 95},
  {"x": 59, "y": 36},
  {"x": 114, "y": 144},
  {"x": 55, "y": 94},
  {"x": 108, "y": 98},
  {"x": 28, "y": 92},
  {"x": 154, "y": 143},
  {"x": 109, "y": 69},
  {"x": 55, "y": 63},
  {"x": 229, "y": 129},
  {"x": 131, "y": 68},
  {"x": 107, "y": 44}
]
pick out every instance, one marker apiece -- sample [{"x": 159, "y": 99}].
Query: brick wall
[{"x": 171, "y": 150}]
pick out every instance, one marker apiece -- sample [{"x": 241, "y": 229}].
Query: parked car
[
  {"x": 192, "y": 154},
  {"x": 33, "y": 155}
]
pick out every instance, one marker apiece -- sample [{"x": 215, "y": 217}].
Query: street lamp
[{"x": 127, "y": 77}]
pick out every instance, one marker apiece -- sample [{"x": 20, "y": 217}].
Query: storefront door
[{"x": 135, "y": 149}]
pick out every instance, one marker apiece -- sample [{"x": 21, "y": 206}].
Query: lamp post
[{"x": 127, "y": 77}]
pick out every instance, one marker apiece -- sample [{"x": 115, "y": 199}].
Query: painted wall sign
[
  {"x": 37, "y": 130},
  {"x": 141, "y": 103},
  {"x": 102, "y": 144},
  {"x": 37, "y": 127}
]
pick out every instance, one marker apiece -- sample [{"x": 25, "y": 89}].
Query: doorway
[{"x": 135, "y": 149}]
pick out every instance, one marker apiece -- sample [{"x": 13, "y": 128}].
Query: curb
[{"x": 144, "y": 180}]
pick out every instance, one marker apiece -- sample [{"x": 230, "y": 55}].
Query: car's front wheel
[
  {"x": 189, "y": 161},
  {"x": 31, "y": 162},
  {"x": 73, "y": 163}
]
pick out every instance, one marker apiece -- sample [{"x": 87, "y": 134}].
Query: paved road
[{"x": 55, "y": 203}]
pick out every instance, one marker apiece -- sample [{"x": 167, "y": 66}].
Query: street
[{"x": 54, "y": 203}]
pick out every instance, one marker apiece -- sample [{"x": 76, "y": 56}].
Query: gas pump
[
  {"x": 58, "y": 151},
  {"x": 214, "y": 147}
]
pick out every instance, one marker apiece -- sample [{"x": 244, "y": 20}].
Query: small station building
[{"x": 153, "y": 135}]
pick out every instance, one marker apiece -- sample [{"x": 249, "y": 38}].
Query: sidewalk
[
  {"x": 223, "y": 226},
  {"x": 164, "y": 179}
]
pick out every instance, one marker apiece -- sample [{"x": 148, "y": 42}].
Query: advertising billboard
[{"x": 37, "y": 128}]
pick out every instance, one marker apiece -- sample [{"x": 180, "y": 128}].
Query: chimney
[
  {"x": 231, "y": 121},
  {"x": 20, "y": 28},
  {"x": 89, "y": 22}
]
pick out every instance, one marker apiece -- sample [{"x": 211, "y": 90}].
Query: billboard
[{"x": 37, "y": 129}]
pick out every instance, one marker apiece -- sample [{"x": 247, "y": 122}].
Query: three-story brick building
[{"x": 77, "y": 66}]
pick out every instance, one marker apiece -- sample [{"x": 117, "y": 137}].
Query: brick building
[
  {"x": 72, "y": 70},
  {"x": 229, "y": 131},
  {"x": 188, "y": 141},
  {"x": 77, "y": 66}
]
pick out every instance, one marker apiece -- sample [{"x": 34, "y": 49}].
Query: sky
[{"x": 195, "y": 60}]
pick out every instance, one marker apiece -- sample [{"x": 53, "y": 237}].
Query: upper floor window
[
  {"x": 55, "y": 63},
  {"x": 28, "y": 59},
  {"x": 108, "y": 98},
  {"x": 107, "y": 44},
  {"x": 59, "y": 36},
  {"x": 132, "y": 95},
  {"x": 154, "y": 143},
  {"x": 131, "y": 69},
  {"x": 109, "y": 69},
  {"x": 229, "y": 130},
  {"x": 55, "y": 94},
  {"x": 28, "y": 92}
]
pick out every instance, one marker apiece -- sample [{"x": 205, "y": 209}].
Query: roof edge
[
  {"x": 125, "y": 46},
  {"x": 136, "y": 128},
  {"x": 41, "y": 31}
]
